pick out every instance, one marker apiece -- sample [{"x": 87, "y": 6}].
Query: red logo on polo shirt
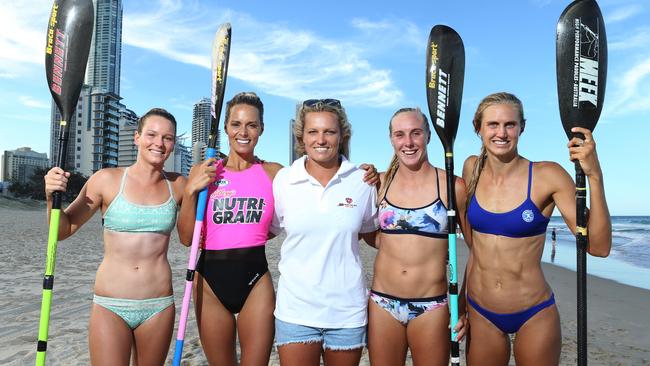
[{"x": 348, "y": 203}]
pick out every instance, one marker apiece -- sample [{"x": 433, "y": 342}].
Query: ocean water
[{"x": 629, "y": 260}]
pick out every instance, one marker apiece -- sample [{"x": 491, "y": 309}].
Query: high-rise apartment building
[
  {"x": 104, "y": 59},
  {"x": 181, "y": 159},
  {"x": 79, "y": 121},
  {"x": 201, "y": 121},
  {"x": 127, "y": 151},
  {"x": 20, "y": 164},
  {"x": 293, "y": 155},
  {"x": 94, "y": 128},
  {"x": 201, "y": 118}
]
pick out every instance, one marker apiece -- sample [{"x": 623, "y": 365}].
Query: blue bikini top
[
  {"x": 429, "y": 220},
  {"x": 524, "y": 221}
]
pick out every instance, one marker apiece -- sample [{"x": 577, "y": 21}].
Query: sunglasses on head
[{"x": 329, "y": 102}]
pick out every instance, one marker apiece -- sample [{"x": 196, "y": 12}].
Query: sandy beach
[{"x": 618, "y": 320}]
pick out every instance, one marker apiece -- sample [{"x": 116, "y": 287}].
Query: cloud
[
  {"x": 22, "y": 37},
  {"x": 637, "y": 39},
  {"x": 391, "y": 32},
  {"x": 632, "y": 91},
  {"x": 8, "y": 75},
  {"x": 30, "y": 102},
  {"x": 623, "y": 13},
  {"x": 274, "y": 58}
]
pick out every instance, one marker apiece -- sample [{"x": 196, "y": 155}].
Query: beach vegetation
[{"x": 34, "y": 187}]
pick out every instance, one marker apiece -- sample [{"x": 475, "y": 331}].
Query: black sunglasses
[{"x": 329, "y": 102}]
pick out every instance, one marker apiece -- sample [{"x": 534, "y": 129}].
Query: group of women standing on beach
[{"x": 322, "y": 203}]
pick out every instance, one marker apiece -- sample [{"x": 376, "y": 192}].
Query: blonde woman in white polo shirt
[{"x": 324, "y": 207}]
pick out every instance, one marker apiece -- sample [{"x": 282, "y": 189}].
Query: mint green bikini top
[{"x": 124, "y": 216}]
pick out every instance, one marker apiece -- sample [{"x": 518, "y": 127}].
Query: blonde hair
[
  {"x": 394, "y": 161},
  {"x": 490, "y": 100},
  {"x": 344, "y": 127}
]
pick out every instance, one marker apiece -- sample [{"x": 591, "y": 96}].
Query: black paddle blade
[
  {"x": 220, "y": 56},
  {"x": 581, "y": 60},
  {"x": 444, "y": 82},
  {"x": 69, "y": 33}
]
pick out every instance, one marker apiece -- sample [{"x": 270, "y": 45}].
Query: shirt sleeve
[
  {"x": 370, "y": 219},
  {"x": 278, "y": 213}
]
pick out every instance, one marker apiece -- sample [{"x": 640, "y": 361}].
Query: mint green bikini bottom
[{"x": 134, "y": 312}]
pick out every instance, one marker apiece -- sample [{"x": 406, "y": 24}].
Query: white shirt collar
[{"x": 298, "y": 173}]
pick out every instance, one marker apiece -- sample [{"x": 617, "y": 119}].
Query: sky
[{"x": 371, "y": 57}]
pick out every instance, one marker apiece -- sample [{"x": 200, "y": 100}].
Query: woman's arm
[
  {"x": 200, "y": 176},
  {"x": 599, "y": 226},
  {"x": 271, "y": 170},
  {"x": 461, "y": 210},
  {"x": 468, "y": 168},
  {"x": 370, "y": 176},
  {"x": 370, "y": 238},
  {"x": 83, "y": 207}
]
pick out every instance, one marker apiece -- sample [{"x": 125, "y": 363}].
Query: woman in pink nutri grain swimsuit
[{"x": 232, "y": 270}]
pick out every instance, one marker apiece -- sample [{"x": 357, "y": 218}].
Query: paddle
[
  {"x": 220, "y": 54},
  {"x": 69, "y": 32},
  {"x": 581, "y": 59},
  {"x": 444, "y": 84}
]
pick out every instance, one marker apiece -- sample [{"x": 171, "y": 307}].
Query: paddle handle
[
  {"x": 61, "y": 157},
  {"x": 581, "y": 262},
  {"x": 191, "y": 266},
  {"x": 453, "y": 272},
  {"x": 50, "y": 260}
]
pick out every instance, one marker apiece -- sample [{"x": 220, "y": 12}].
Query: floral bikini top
[{"x": 429, "y": 220}]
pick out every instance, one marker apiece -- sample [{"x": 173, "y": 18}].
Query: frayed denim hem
[
  {"x": 344, "y": 348},
  {"x": 302, "y": 341}
]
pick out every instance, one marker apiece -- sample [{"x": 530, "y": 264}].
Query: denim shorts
[{"x": 335, "y": 339}]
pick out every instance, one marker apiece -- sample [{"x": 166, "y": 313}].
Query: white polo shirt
[{"x": 321, "y": 277}]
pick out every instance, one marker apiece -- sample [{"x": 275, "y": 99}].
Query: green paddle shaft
[{"x": 48, "y": 284}]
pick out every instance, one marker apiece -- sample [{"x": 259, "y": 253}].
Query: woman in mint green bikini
[{"x": 133, "y": 306}]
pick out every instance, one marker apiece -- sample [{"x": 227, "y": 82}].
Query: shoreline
[{"x": 617, "y": 318}]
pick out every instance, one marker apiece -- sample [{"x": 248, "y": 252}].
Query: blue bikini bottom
[{"x": 510, "y": 323}]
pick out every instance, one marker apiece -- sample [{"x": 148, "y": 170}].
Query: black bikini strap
[
  {"x": 388, "y": 183},
  {"x": 437, "y": 182}
]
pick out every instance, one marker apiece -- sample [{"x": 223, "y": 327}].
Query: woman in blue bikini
[
  {"x": 510, "y": 202},
  {"x": 133, "y": 306},
  {"x": 408, "y": 300}
]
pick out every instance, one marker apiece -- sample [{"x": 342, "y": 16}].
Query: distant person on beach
[
  {"x": 408, "y": 305},
  {"x": 553, "y": 245},
  {"x": 510, "y": 202},
  {"x": 232, "y": 270},
  {"x": 133, "y": 305},
  {"x": 553, "y": 236},
  {"x": 324, "y": 207}
]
